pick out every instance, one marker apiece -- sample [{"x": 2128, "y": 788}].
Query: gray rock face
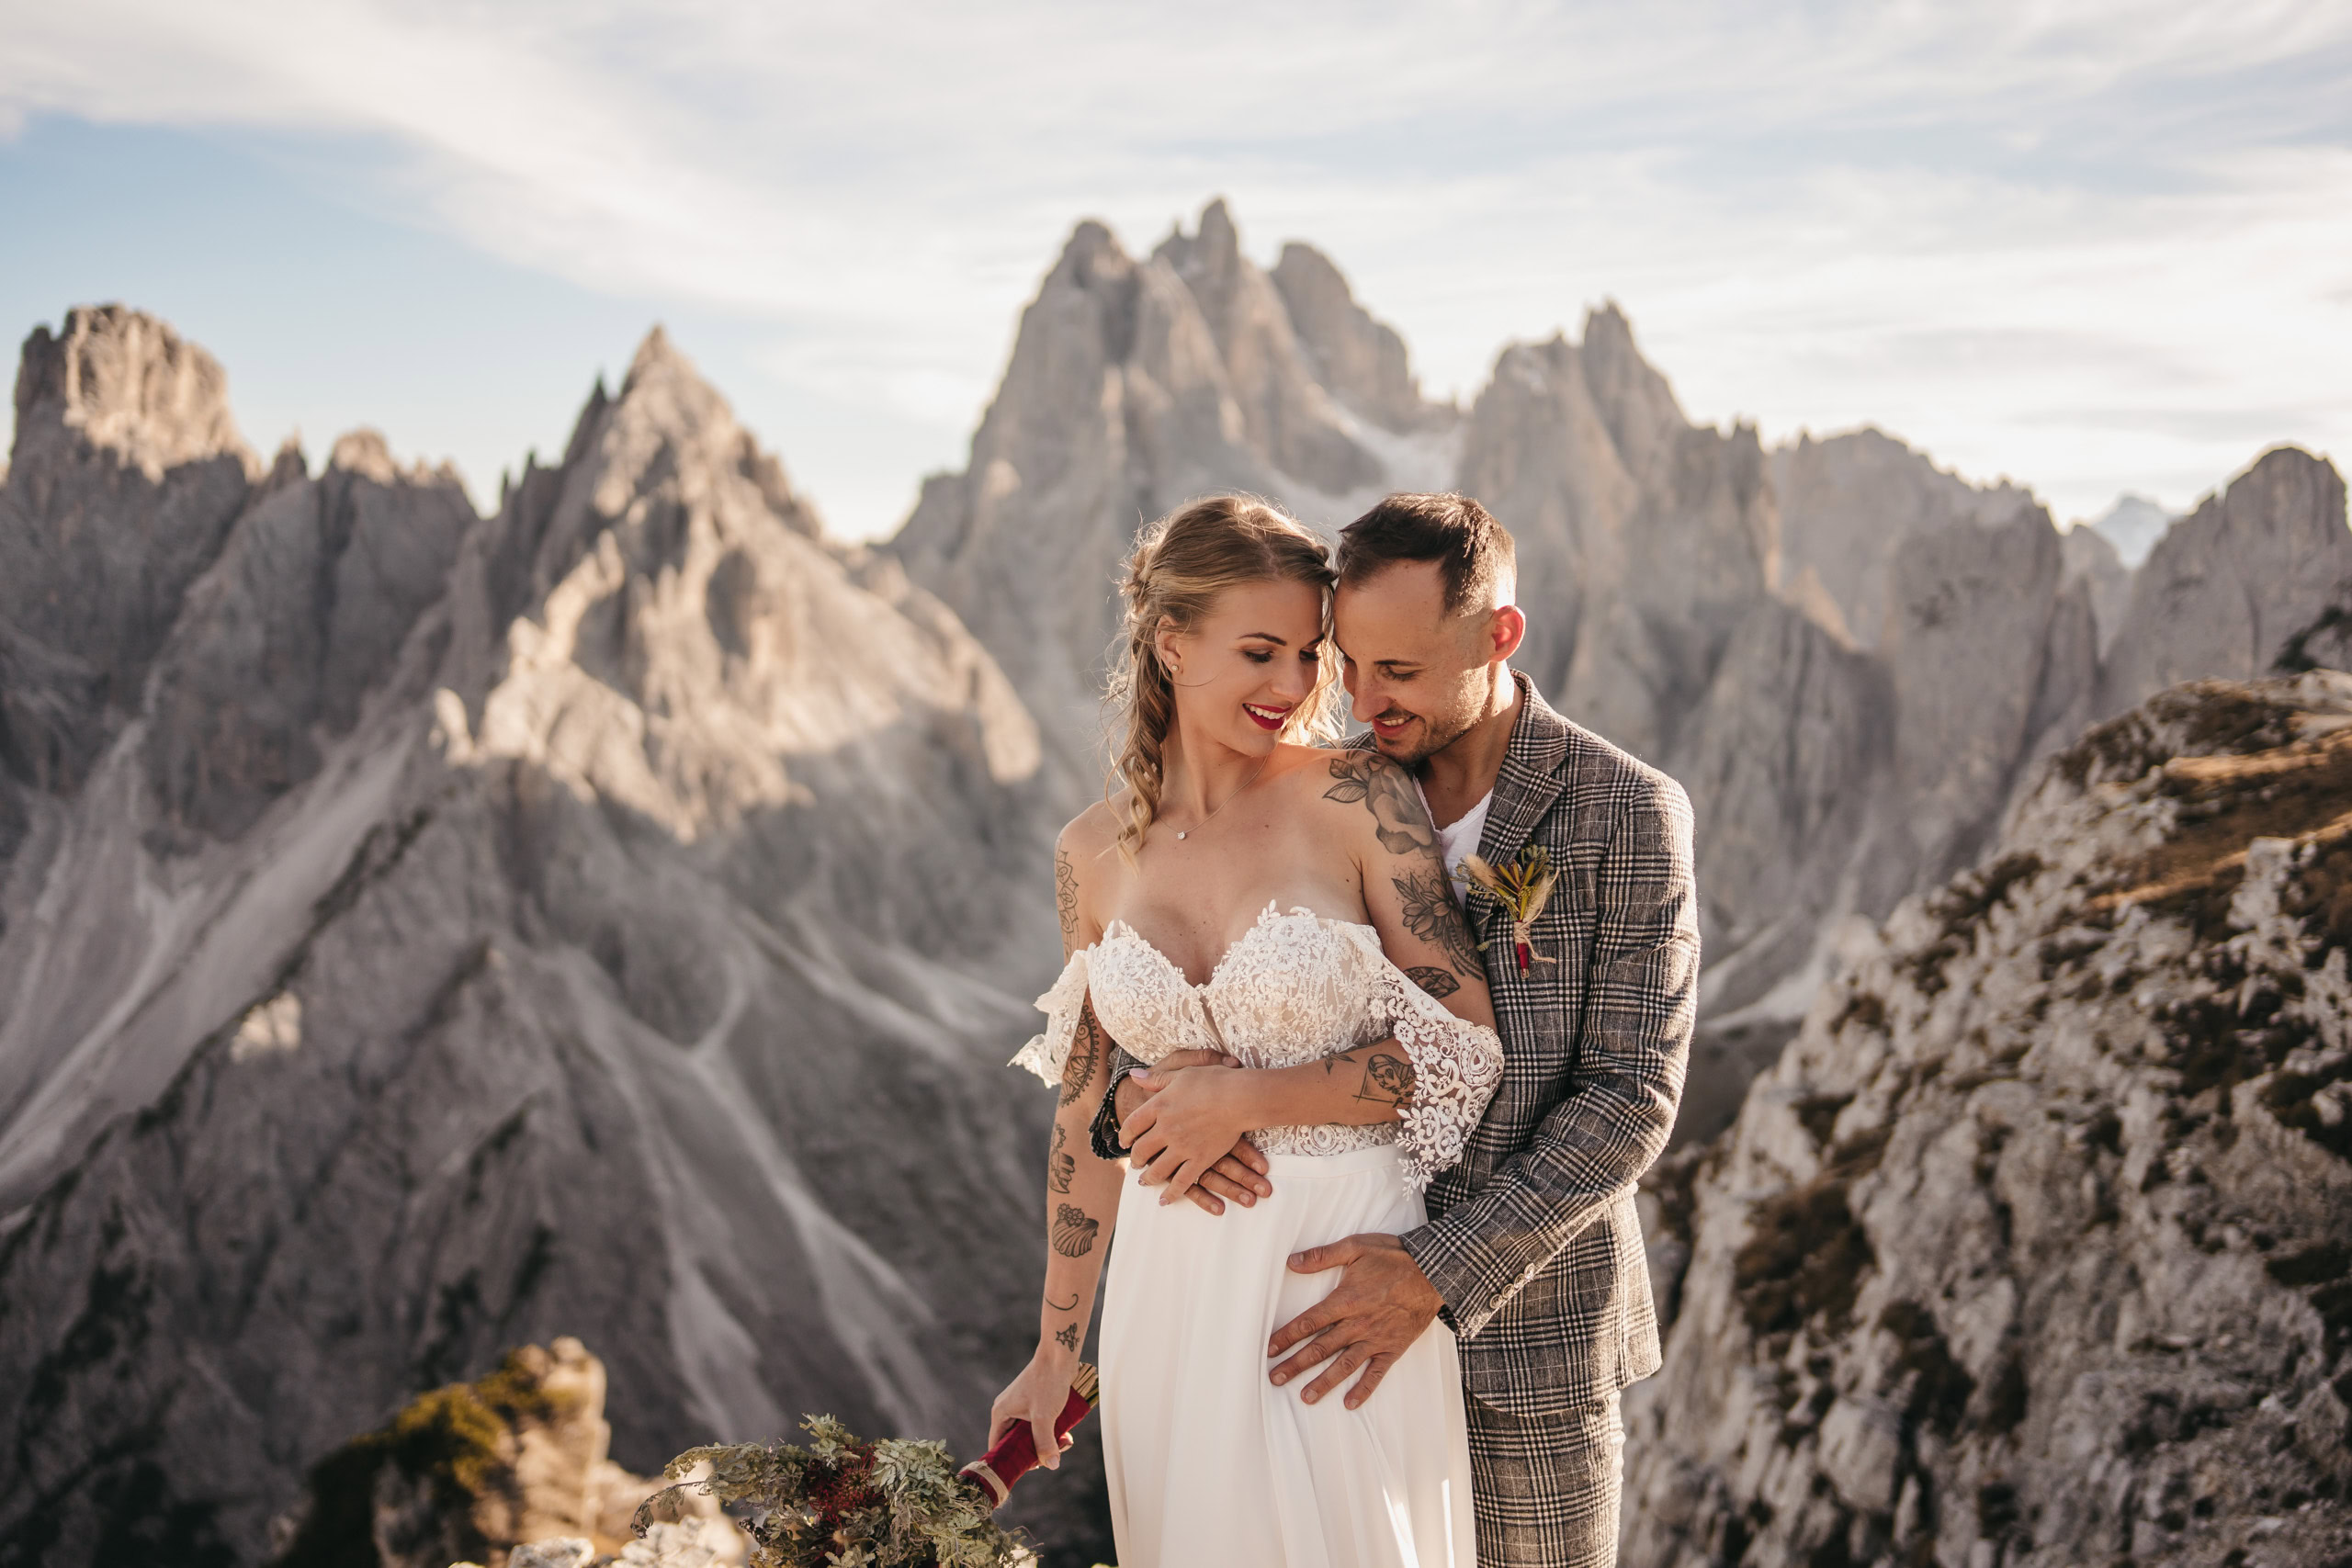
[
  {"x": 317, "y": 587},
  {"x": 1969, "y": 642},
  {"x": 1643, "y": 541},
  {"x": 126, "y": 474},
  {"x": 1360, "y": 359},
  {"x": 2091, "y": 560},
  {"x": 2030, "y": 1247},
  {"x": 1848, "y": 502},
  {"x": 608, "y": 917},
  {"x": 2227, "y": 586},
  {"x": 1135, "y": 386}
]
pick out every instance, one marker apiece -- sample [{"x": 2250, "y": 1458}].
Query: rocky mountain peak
[
  {"x": 1635, "y": 401},
  {"x": 568, "y": 914},
  {"x": 367, "y": 454},
  {"x": 1134, "y": 386},
  {"x": 2228, "y": 588},
  {"x": 684, "y": 597},
  {"x": 126, "y": 474},
  {"x": 1091, "y": 255},
  {"x": 124, "y": 382},
  {"x": 1360, "y": 358}
]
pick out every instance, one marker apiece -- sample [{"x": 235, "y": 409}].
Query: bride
[{"x": 1246, "y": 895}]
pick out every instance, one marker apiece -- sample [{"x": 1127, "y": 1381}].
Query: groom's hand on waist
[{"x": 1382, "y": 1303}]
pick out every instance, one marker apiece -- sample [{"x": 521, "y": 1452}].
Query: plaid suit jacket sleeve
[{"x": 1632, "y": 1050}]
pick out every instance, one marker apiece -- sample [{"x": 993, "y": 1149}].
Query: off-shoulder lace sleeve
[
  {"x": 1045, "y": 1055},
  {"x": 1457, "y": 1066}
]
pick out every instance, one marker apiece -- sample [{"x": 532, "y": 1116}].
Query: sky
[{"x": 2097, "y": 247}]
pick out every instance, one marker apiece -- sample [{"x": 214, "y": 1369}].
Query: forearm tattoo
[
  {"x": 1060, "y": 1168},
  {"x": 1387, "y": 1081},
  {"x": 1085, "y": 1050},
  {"x": 1431, "y": 914},
  {"x": 1067, "y": 1338},
  {"x": 1384, "y": 789},
  {"x": 1437, "y": 982},
  {"x": 1066, "y": 899},
  {"x": 1069, "y": 1305},
  {"x": 1074, "y": 1229},
  {"x": 1387, "y": 1078}
]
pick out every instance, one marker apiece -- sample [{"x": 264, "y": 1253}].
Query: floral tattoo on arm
[{"x": 1431, "y": 914}]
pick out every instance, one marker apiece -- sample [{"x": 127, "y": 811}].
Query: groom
[{"x": 1533, "y": 1253}]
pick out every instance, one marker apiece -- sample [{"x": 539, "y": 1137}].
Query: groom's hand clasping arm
[{"x": 1382, "y": 1303}]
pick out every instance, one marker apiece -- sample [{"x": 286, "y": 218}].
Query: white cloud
[{"x": 2081, "y": 246}]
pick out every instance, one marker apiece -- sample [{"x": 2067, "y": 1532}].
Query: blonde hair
[{"x": 1178, "y": 568}]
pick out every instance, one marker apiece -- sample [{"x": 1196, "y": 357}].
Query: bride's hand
[
  {"x": 1037, "y": 1396},
  {"x": 1191, "y": 1122}
]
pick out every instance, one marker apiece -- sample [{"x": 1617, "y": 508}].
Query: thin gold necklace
[{"x": 1227, "y": 801}]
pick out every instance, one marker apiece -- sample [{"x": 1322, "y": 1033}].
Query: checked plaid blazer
[{"x": 1532, "y": 1238}]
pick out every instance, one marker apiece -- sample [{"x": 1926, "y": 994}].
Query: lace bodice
[{"x": 1296, "y": 987}]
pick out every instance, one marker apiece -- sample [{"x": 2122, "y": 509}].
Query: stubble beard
[{"x": 1434, "y": 737}]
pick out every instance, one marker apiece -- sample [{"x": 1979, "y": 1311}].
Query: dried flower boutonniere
[{"x": 1521, "y": 888}]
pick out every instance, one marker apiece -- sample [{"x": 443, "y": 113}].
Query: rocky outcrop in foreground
[
  {"x": 2035, "y": 1248},
  {"x": 474, "y": 1471}
]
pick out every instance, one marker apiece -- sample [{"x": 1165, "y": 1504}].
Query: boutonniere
[{"x": 1521, "y": 889}]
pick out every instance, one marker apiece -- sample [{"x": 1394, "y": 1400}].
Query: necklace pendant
[{"x": 1179, "y": 835}]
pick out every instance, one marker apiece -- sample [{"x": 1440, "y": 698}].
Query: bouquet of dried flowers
[{"x": 842, "y": 1502}]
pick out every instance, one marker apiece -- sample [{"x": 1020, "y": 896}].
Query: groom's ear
[{"x": 1508, "y": 630}]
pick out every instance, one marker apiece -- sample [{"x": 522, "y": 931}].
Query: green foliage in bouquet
[{"x": 840, "y": 1503}]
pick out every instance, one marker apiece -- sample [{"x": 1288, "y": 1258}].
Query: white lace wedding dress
[{"x": 1209, "y": 1463}]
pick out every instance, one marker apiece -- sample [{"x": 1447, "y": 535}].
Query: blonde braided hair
[{"x": 1174, "y": 574}]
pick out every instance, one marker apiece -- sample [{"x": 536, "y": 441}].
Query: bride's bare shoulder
[{"x": 1088, "y": 836}]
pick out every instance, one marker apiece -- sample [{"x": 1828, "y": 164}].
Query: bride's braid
[{"x": 1179, "y": 565}]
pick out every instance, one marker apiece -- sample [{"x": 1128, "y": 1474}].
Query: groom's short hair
[{"x": 1473, "y": 551}]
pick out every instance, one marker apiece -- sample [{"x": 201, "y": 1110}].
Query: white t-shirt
[{"x": 1461, "y": 840}]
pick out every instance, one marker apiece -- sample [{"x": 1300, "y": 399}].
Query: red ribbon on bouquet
[{"x": 1015, "y": 1453}]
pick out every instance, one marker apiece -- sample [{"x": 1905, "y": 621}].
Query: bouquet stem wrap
[{"x": 1015, "y": 1453}]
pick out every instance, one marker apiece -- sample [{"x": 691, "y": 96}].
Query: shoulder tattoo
[{"x": 1381, "y": 788}]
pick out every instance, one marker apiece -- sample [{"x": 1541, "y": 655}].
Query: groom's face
[{"x": 1417, "y": 675}]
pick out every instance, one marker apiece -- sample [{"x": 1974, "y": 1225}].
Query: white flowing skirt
[{"x": 1210, "y": 1464}]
